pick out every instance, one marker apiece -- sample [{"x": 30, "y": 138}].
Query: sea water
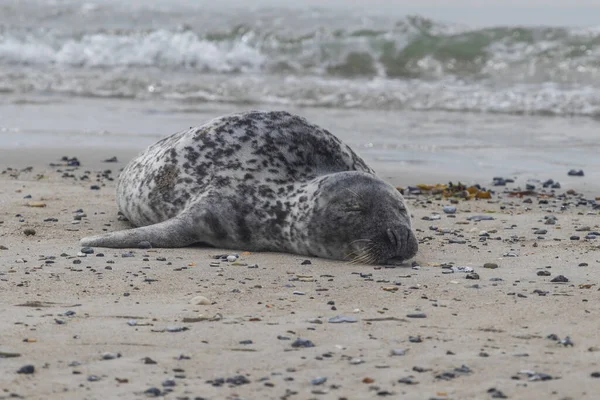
[{"x": 407, "y": 92}]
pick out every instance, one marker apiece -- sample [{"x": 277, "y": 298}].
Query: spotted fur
[{"x": 253, "y": 181}]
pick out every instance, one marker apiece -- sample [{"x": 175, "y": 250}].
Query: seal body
[{"x": 261, "y": 181}]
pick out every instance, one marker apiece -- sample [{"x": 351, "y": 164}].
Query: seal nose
[{"x": 394, "y": 238}]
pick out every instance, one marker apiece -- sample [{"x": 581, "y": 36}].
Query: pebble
[
  {"x": 543, "y": 273},
  {"x": 176, "y": 328},
  {"x": 302, "y": 343},
  {"x": 472, "y": 275},
  {"x": 540, "y": 232},
  {"x": 575, "y": 172},
  {"x": 93, "y": 378},
  {"x": 560, "y": 279},
  {"x": 416, "y": 315},
  {"x": 87, "y": 250},
  {"x": 480, "y": 218},
  {"x": 306, "y": 262},
  {"x": 169, "y": 382},
  {"x": 152, "y": 392},
  {"x": 415, "y": 339},
  {"x": 110, "y": 356},
  {"x": 127, "y": 254},
  {"x": 490, "y": 265},
  {"x": 318, "y": 381},
  {"x": 398, "y": 352},
  {"x": 29, "y": 232},
  {"x": 26, "y": 369},
  {"x": 342, "y": 318},
  {"x": 231, "y": 258},
  {"x": 449, "y": 209},
  {"x": 200, "y": 301}
]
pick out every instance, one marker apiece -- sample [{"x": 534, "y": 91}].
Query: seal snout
[{"x": 402, "y": 241}]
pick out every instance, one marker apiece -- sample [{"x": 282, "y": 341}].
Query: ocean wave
[
  {"x": 412, "y": 48},
  {"x": 309, "y": 58}
]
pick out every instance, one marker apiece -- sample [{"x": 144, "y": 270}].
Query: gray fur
[{"x": 261, "y": 181}]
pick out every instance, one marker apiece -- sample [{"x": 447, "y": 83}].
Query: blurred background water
[{"x": 475, "y": 88}]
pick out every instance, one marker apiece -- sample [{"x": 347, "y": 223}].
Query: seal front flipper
[{"x": 175, "y": 232}]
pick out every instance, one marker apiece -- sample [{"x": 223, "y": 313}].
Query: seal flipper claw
[{"x": 175, "y": 232}]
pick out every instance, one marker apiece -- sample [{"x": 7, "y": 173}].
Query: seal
[{"x": 261, "y": 181}]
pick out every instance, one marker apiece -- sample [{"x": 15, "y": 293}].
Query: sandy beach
[{"x": 122, "y": 323}]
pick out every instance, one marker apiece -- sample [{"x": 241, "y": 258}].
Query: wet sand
[{"x": 64, "y": 314}]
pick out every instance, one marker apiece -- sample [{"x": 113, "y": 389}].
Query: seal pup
[{"x": 261, "y": 181}]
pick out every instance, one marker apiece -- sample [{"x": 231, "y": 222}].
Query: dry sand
[{"x": 61, "y": 313}]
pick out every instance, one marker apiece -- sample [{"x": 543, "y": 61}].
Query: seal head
[{"x": 357, "y": 216}]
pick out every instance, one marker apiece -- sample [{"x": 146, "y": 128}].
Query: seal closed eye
[{"x": 261, "y": 181}]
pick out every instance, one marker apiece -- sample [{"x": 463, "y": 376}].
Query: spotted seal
[{"x": 261, "y": 181}]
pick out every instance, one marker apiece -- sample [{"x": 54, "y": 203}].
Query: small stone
[
  {"x": 29, "y": 232},
  {"x": 26, "y": 369},
  {"x": 415, "y": 339},
  {"x": 231, "y": 258},
  {"x": 110, "y": 356},
  {"x": 169, "y": 382},
  {"x": 543, "y": 273},
  {"x": 93, "y": 378},
  {"x": 342, "y": 318},
  {"x": 540, "y": 232},
  {"x": 127, "y": 254},
  {"x": 306, "y": 262},
  {"x": 595, "y": 374},
  {"x": 176, "y": 328},
  {"x": 298, "y": 343},
  {"x": 566, "y": 342},
  {"x": 560, "y": 279},
  {"x": 480, "y": 218},
  {"x": 472, "y": 275},
  {"x": 95, "y": 187},
  {"x": 574, "y": 237},
  {"x": 449, "y": 209},
  {"x": 246, "y": 342},
  {"x": 87, "y": 250},
  {"x": 398, "y": 352},
  {"x": 490, "y": 265},
  {"x": 152, "y": 392},
  {"x": 416, "y": 315},
  {"x": 200, "y": 301},
  {"x": 144, "y": 245},
  {"x": 318, "y": 381},
  {"x": 575, "y": 172}
]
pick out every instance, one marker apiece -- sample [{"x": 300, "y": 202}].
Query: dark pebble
[
  {"x": 595, "y": 374},
  {"x": 95, "y": 187},
  {"x": 93, "y": 378},
  {"x": 26, "y": 369},
  {"x": 496, "y": 394},
  {"x": 417, "y": 315},
  {"x": 76, "y": 261},
  {"x": 490, "y": 265},
  {"x": 169, "y": 383},
  {"x": 540, "y": 232},
  {"x": 472, "y": 275},
  {"x": 575, "y": 172},
  {"x": 480, "y": 218},
  {"x": 152, "y": 392},
  {"x": 543, "y": 273},
  {"x": 111, "y": 160},
  {"x": 87, "y": 250},
  {"x": 574, "y": 237},
  {"x": 246, "y": 342},
  {"x": 128, "y": 254},
  {"x": 29, "y": 232},
  {"x": 306, "y": 262},
  {"x": 302, "y": 343},
  {"x": 560, "y": 278}
]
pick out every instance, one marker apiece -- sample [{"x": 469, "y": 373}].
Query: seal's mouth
[{"x": 393, "y": 247}]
